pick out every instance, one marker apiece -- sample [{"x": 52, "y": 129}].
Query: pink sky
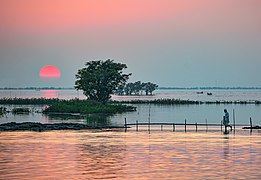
[
  {"x": 43, "y": 16},
  {"x": 63, "y": 15},
  {"x": 171, "y": 33}
]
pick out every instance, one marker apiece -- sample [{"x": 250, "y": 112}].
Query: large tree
[{"x": 100, "y": 79}]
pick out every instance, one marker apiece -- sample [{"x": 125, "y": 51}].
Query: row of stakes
[{"x": 185, "y": 125}]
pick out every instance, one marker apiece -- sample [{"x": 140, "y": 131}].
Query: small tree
[
  {"x": 129, "y": 89},
  {"x": 150, "y": 87},
  {"x": 137, "y": 87},
  {"x": 100, "y": 79}
]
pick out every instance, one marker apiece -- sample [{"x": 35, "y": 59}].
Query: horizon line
[{"x": 161, "y": 87}]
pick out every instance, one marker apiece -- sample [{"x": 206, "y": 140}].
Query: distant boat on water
[
  {"x": 201, "y": 92},
  {"x": 209, "y": 93}
]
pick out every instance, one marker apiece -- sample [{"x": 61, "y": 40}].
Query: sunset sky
[{"x": 181, "y": 43}]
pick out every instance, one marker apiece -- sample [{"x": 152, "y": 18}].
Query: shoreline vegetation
[
  {"x": 185, "y": 102},
  {"x": 83, "y": 107},
  {"x": 67, "y": 106},
  {"x": 86, "y": 107},
  {"x": 78, "y": 104}
]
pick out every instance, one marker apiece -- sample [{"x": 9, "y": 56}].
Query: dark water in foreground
[{"x": 131, "y": 155}]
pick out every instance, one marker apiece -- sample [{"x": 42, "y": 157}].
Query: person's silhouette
[{"x": 226, "y": 120}]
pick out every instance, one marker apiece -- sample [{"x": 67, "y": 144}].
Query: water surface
[
  {"x": 217, "y": 95},
  {"x": 158, "y": 113},
  {"x": 206, "y": 154},
  {"x": 130, "y": 155}
]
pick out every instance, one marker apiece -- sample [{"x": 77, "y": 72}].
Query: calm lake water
[
  {"x": 130, "y": 155},
  {"x": 221, "y": 95},
  {"x": 116, "y": 154}
]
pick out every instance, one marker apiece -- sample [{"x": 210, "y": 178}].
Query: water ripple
[{"x": 131, "y": 155}]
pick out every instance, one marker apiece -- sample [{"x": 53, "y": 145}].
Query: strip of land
[
  {"x": 39, "y": 127},
  {"x": 45, "y": 101},
  {"x": 185, "y": 102}
]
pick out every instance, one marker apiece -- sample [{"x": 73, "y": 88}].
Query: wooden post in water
[
  {"x": 161, "y": 128},
  {"x": 185, "y": 125},
  {"x": 234, "y": 120},
  {"x": 125, "y": 124},
  {"x": 251, "y": 125},
  {"x": 173, "y": 127},
  {"x": 149, "y": 126},
  {"x": 137, "y": 129},
  {"x": 206, "y": 125},
  {"x": 196, "y": 127},
  {"x": 149, "y": 120}
]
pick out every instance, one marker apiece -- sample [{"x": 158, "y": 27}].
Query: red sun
[{"x": 50, "y": 72}]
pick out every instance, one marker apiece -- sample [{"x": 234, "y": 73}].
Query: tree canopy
[
  {"x": 137, "y": 88},
  {"x": 100, "y": 79}
]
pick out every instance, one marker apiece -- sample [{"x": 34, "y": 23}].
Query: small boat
[
  {"x": 201, "y": 92},
  {"x": 209, "y": 93}
]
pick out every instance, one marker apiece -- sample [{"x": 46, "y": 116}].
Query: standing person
[{"x": 226, "y": 120}]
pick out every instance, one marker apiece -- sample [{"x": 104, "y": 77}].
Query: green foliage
[
  {"x": 2, "y": 110},
  {"x": 43, "y": 101},
  {"x": 149, "y": 87},
  {"x": 20, "y": 110},
  {"x": 137, "y": 88},
  {"x": 161, "y": 102},
  {"x": 86, "y": 107},
  {"x": 100, "y": 79},
  {"x": 183, "y": 102}
]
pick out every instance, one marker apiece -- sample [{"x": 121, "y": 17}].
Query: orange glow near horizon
[{"x": 50, "y": 94}]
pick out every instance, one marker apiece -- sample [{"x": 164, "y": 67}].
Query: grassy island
[
  {"x": 68, "y": 106},
  {"x": 86, "y": 107}
]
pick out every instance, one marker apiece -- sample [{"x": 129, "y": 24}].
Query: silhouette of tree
[
  {"x": 137, "y": 88},
  {"x": 100, "y": 79},
  {"x": 149, "y": 88}
]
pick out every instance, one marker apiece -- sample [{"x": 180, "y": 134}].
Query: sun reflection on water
[
  {"x": 131, "y": 155},
  {"x": 49, "y": 94}
]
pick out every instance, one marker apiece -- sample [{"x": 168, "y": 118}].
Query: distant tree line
[{"x": 136, "y": 88}]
